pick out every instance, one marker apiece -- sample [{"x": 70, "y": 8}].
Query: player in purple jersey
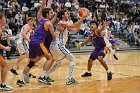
[
  {"x": 37, "y": 49},
  {"x": 100, "y": 48}
]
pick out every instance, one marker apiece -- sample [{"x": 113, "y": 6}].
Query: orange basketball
[{"x": 82, "y": 10}]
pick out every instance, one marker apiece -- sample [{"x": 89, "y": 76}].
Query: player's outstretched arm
[
  {"x": 85, "y": 42},
  {"x": 49, "y": 3},
  {"x": 39, "y": 14}
]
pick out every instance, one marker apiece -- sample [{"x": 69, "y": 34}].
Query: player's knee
[
  {"x": 72, "y": 58},
  {"x": 31, "y": 64},
  {"x": 4, "y": 64},
  {"x": 100, "y": 57}
]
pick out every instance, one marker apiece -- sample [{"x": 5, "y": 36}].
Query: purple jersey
[
  {"x": 98, "y": 41},
  {"x": 40, "y": 34}
]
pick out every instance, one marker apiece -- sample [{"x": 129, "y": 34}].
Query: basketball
[{"x": 82, "y": 10}]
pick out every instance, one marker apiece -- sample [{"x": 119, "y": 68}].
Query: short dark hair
[
  {"x": 45, "y": 11},
  {"x": 1, "y": 15},
  {"x": 60, "y": 13},
  {"x": 94, "y": 22}
]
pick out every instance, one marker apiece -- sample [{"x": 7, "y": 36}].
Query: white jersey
[
  {"x": 61, "y": 38},
  {"x": 22, "y": 44},
  {"x": 25, "y": 28},
  {"x": 106, "y": 34}
]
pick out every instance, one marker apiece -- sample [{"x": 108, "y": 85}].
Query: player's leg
[
  {"x": 101, "y": 55},
  {"x": 91, "y": 59},
  {"x": 4, "y": 66}
]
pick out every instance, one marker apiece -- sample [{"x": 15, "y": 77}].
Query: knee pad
[{"x": 31, "y": 64}]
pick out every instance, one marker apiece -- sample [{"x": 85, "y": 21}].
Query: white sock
[
  {"x": 108, "y": 71},
  {"x": 3, "y": 83},
  {"x": 53, "y": 68},
  {"x": 22, "y": 77},
  {"x": 14, "y": 67},
  {"x": 88, "y": 71},
  {"x": 71, "y": 68},
  {"x": 43, "y": 74}
]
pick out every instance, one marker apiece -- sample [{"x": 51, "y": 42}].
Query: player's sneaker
[
  {"x": 71, "y": 81},
  {"x": 109, "y": 76},
  {"x": 26, "y": 79},
  {"x": 14, "y": 71},
  {"x": 115, "y": 56},
  {"x": 20, "y": 83},
  {"x": 49, "y": 79},
  {"x": 44, "y": 80},
  {"x": 86, "y": 74},
  {"x": 31, "y": 75},
  {"x": 5, "y": 87}
]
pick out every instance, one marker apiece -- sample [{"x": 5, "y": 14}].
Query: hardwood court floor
[{"x": 126, "y": 77}]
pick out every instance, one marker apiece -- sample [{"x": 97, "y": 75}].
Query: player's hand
[
  {"x": 79, "y": 44},
  {"x": 43, "y": 2},
  {"x": 49, "y": 3},
  {"x": 7, "y": 48}
]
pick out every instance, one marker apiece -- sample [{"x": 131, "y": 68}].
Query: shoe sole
[
  {"x": 48, "y": 83},
  {"x": 72, "y": 83},
  {"x": 6, "y": 89},
  {"x": 21, "y": 85},
  {"x": 86, "y": 76}
]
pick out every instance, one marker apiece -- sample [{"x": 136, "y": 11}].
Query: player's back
[{"x": 40, "y": 34}]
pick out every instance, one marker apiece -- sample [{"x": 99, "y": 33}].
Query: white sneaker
[
  {"x": 5, "y": 87},
  {"x": 26, "y": 79},
  {"x": 71, "y": 81}
]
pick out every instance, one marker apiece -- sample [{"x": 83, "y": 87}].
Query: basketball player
[
  {"x": 23, "y": 44},
  {"x": 58, "y": 49},
  {"x": 100, "y": 48},
  {"x": 109, "y": 43},
  {"x": 3, "y": 63},
  {"x": 37, "y": 48}
]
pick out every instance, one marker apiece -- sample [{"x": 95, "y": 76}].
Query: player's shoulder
[{"x": 48, "y": 23}]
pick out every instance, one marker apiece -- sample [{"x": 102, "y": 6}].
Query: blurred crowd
[{"x": 123, "y": 15}]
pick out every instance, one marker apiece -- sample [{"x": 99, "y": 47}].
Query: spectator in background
[
  {"x": 68, "y": 5},
  {"x": 10, "y": 2},
  {"x": 13, "y": 26},
  {"x": 36, "y": 4},
  {"x": 136, "y": 38},
  {"x": 24, "y": 8},
  {"x": 62, "y": 6},
  {"x": 87, "y": 31}
]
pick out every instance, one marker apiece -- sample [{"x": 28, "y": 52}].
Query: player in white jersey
[
  {"x": 107, "y": 34},
  {"x": 23, "y": 44},
  {"x": 57, "y": 47}
]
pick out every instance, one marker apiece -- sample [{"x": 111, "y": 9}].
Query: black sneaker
[
  {"x": 49, "y": 79},
  {"x": 5, "y": 87},
  {"x": 115, "y": 56},
  {"x": 14, "y": 71},
  {"x": 31, "y": 75},
  {"x": 44, "y": 80},
  {"x": 109, "y": 76},
  {"x": 20, "y": 83},
  {"x": 86, "y": 74}
]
